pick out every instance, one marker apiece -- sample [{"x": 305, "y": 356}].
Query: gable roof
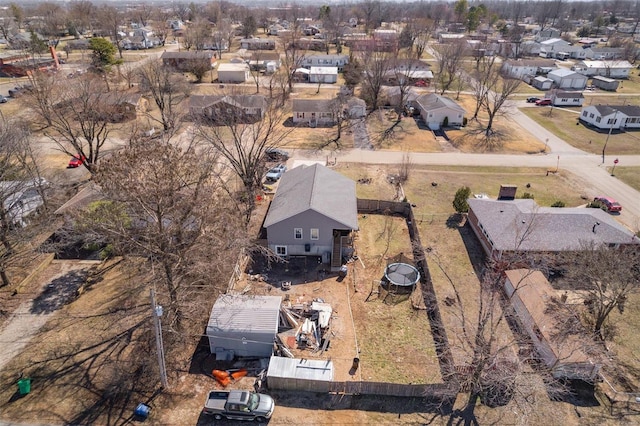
[
  {"x": 189, "y": 54},
  {"x": 540, "y": 63},
  {"x": 433, "y": 101},
  {"x": 522, "y": 225},
  {"x": 569, "y": 95},
  {"x": 564, "y": 72},
  {"x": 233, "y": 67},
  {"x": 240, "y": 101},
  {"x": 312, "y": 105},
  {"x": 607, "y": 64},
  {"x": 628, "y": 110},
  {"x": 316, "y": 188},
  {"x": 537, "y": 295}
]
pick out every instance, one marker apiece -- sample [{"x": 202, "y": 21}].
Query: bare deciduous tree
[
  {"x": 608, "y": 275},
  {"x": 167, "y": 89},
  {"x": 243, "y": 145},
  {"x": 376, "y": 66},
  {"x": 21, "y": 190},
  {"x": 449, "y": 57},
  {"x": 170, "y": 205},
  {"x": 81, "y": 117}
]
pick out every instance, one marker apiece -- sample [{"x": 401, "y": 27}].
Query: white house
[
  {"x": 611, "y": 69},
  {"x": 562, "y": 98},
  {"x": 437, "y": 111},
  {"x": 323, "y": 75},
  {"x": 257, "y": 44},
  {"x": 338, "y": 61},
  {"x": 233, "y": 73},
  {"x": 550, "y": 48},
  {"x": 604, "y": 53},
  {"x": 527, "y": 67},
  {"x": 566, "y": 79},
  {"x": 614, "y": 117}
]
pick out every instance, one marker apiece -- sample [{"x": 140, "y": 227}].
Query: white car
[{"x": 275, "y": 173}]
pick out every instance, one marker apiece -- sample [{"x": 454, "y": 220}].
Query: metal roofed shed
[
  {"x": 312, "y": 375},
  {"x": 244, "y": 326}
]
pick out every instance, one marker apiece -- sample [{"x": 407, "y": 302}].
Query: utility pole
[{"x": 156, "y": 313}]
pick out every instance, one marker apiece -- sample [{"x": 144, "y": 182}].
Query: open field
[{"x": 562, "y": 123}]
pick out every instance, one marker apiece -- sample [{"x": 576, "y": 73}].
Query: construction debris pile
[{"x": 308, "y": 327}]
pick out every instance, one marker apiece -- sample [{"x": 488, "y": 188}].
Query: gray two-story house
[{"x": 313, "y": 213}]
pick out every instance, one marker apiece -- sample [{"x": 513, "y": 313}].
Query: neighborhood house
[
  {"x": 521, "y": 225},
  {"x": 533, "y": 298},
  {"x": 313, "y": 213},
  {"x": 228, "y": 108},
  {"x": 439, "y": 111},
  {"x": 314, "y": 112},
  {"x": 606, "y": 117}
]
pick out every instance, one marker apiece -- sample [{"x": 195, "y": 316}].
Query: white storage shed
[{"x": 244, "y": 326}]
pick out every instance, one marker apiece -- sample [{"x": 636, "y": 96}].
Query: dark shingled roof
[
  {"x": 523, "y": 225},
  {"x": 311, "y": 105},
  {"x": 432, "y": 101},
  {"x": 241, "y": 101},
  {"x": 316, "y": 188},
  {"x": 628, "y": 110}
]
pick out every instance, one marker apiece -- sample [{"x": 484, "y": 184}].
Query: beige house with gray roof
[
  {"x": 314, "y": 112},
  {"x": 439, "y": 111}
]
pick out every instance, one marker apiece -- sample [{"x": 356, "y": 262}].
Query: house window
[
  {"x": 297, "y": 233},
  {"x": 598, "y": 119},
  {"x": 281, "y": 250},
  {"x": 612, "y": 121},
  {"x": 584, "y": 113},
  {"x": 565, "y": 100},
  {"x": 315, "y": 233},
  {"x": 300, "y": 114},
  {"x": 591, "y": 115}
]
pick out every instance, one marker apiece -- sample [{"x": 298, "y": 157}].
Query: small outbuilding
[
  {"x": 311, "y": 375},
  {"x": 605, "y": 83},
  {"x": 244, "y": 326},
  {"x": 233, "y": 73},
  {"x": 323, "y": 75},
  {"x": 542, "y": 83}
]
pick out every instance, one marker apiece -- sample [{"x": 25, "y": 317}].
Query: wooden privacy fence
[
  {"x": 439, "y": 390},
  {"x": 238, "y": 268},
  {"x": 365, "y": 205}
]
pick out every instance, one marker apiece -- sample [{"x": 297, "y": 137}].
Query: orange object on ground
[
  {"x": 238, "y": 374},
  {"x": 220, "y": 374}
]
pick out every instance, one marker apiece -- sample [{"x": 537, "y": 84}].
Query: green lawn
[
  {"x": 562, "y": 123},
  {"x": 629, "y": 175}
]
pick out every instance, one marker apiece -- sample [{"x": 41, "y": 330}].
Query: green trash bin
[{"x": 24, "y": 386}]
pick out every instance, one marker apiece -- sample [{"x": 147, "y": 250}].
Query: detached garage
[{"x": 244, "y": 326}]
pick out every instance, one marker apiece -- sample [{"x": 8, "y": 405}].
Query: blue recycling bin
[{"x": 142, "y": 411}]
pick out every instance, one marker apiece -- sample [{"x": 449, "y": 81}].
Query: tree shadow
[{"x": 59, "y": 292}]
